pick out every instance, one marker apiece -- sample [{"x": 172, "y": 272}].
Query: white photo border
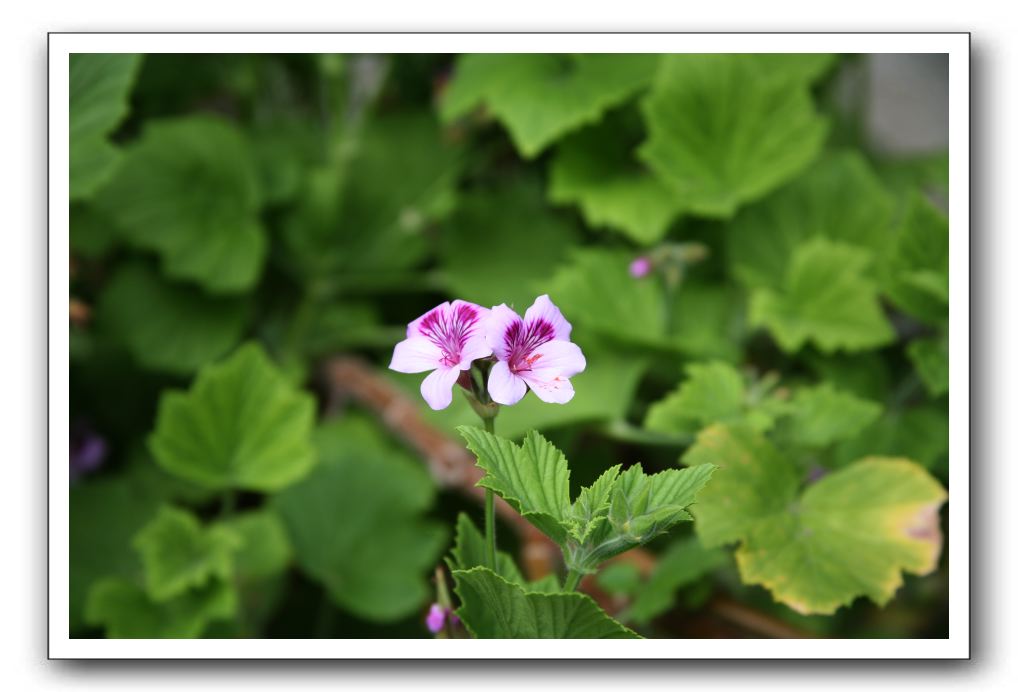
[{"x": 955, "y": 45}]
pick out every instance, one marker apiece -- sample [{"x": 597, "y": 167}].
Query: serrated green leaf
[
  {"x": 533, "y": 478},
  {"x": 839, "y": 198},
  {"x": 263, "y": 545},
  {"x": 930, "y": 358},
  {"x": 592, "y": 505},
  {"x": 180, "y": 554},
  {"x": 714, "y": 392},
  {"x": 241, "y": 425},
  {"x": 125, "y": 611},
  {"x": 826, "y": 299},
  {"x": 595, "y": 169},
  {"x": 468, "y": 551},
  {"x": 188, "y": 191},
  {"x": 823, "y": 414},
  {"x": 721, "y": 133},
  {"x": 915, "y": 276},
  {"x": 487, "y": 260},
  {"x": 596, "y": 290},
  {"x": 169, "y": 327},
  {"x": 540, "y": 97},
  {"x": 850, "y": 534},
  {"x": 682, "y": 563},
  {"x": 644, "y": 507},
  {"x": 99, "y": 88},
  {"x": 493, "y": 608},
  {"x": 356, "y": 522}
]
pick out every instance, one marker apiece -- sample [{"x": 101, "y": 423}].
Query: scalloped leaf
[
  {"x": 541, "y": 97},
  {"x": 125, "y": 611},
  {"x": 166, "y": 326},
  {"x": 493, "y": 608},
  {"x": 100, "y": 84},
  {"x": 188, "y": 190},
  {"x": 596, "y": 169},
  {"x": 930, "y": 358},
  {"x": 839, "y": 198},
  {"x": 180, "y": 554},
  {"x": 826, "y": 299},
  {"x": 241, "y": 425},
  {"x": 916, "y": 272},
  {"x": 822, "y": 415},
  {"x": 713, "y": 392},
  {"x": 850, "y": 534},
  {"x": 726, "y": 129},
  {"x": 357, "y": 522}
]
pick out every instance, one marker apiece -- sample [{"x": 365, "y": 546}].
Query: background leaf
[
  {"x": 188, "y": 191},
  {"x": 241, "y": 425},
  {"x": 356, "y": 522}
]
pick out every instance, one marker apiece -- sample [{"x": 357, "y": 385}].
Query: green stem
[
  {"x": 572, "y": 580},
  {"x": 489, "y": 511},
  {"x": 229, "y": 504}
]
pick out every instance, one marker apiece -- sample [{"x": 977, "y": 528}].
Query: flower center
[
  {"x": 522, "y": 339},
  {"x": 449, "y": 330}
]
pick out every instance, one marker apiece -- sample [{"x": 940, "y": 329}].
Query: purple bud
[
  {"x": 88, "y": 450},
  {"x": 640, "y": 267},
  {"x": 436, "y": 618}
]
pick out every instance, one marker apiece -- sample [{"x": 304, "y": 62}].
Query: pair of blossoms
[{"x": 532, "y": 351}]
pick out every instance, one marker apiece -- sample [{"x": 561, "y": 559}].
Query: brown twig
[{"x": 453, "y": 466}]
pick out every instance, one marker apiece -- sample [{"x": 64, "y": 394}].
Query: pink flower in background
[
  {"x": 436, "y": 618},
  {"x": 446, "y": 340},
  {"x": 640, "y": 267},
  {"x": 534, "y": 351}
]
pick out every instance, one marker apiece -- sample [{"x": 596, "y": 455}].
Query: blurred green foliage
[{"x": 237, "y": 218}]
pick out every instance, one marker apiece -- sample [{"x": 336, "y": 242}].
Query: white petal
[
  {"x": 505, "y": 387},
  {"x": 416, "y": 354},
  {"x": 546, "y": 310},
  {"x": 437, "y": 387}
]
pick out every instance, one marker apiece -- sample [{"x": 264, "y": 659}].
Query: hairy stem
[
  {"x": 489, "y": 511},
  {"x": 572, "y": 580}
]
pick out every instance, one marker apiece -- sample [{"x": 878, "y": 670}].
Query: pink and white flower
[
  {"x": 534, "y": 352},
  {"x": 446, "y": 340}
]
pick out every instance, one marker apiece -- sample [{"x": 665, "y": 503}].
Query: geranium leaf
[
  {"x": 167, "y": 326},
  {"x": 713, "y": 392},
  {"x": 596, "y": 169},
  {"x": 241, "y": 425},
  {"x": 682, "y": 563},
  {"x": 99, "y": 88},
  {"x": 850, "y": 534},
  {"x": 188, "y": 190},
  {"x": 356, "y": 522},
  {"x": 468, "y": 551},
  {"x": 127, "y": 612},
  {"x": 915, "y": 276},
  {"x": 180, "y": 554},
  {"x": 540, "y": 97},
  {"x": 722, "y": 132},
  {"x": 493, "y": 608},
  {"x": 533, "y": 478},
  {"x": 839, "y": 198},
  {"x": 263, "y": 546},
  {"x": 826, "y": 299},
  {"x": 930, "y": 358},
  {"x": 823, "y": 414}
]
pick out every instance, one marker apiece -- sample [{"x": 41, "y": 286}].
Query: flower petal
[
  {"x": 556, "y": 389},
  {"x": 504, "y": 387},
  {"x": 544, "y": 309},
  {"x": 414, "y": 328},
  {"x": 437, "y": 387},
  {"x": 476, "y": 347},
  {"x": 500, "y": 318},
  {"x": 416, "y": 354},
  {"x": 557, "y": 357}
]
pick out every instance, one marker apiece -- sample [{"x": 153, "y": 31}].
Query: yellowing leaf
[{"x": 850, "y": 534}]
